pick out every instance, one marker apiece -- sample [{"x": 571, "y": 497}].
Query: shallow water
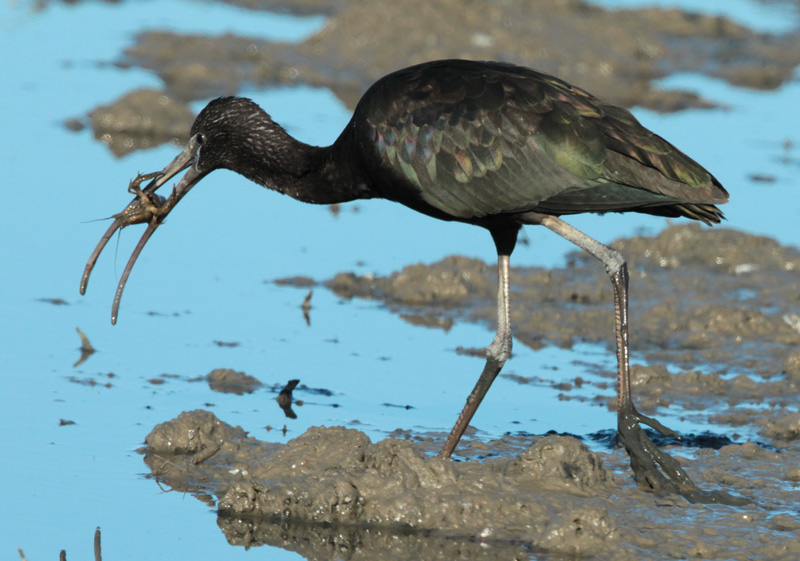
[{"x": 201, "y": 281}]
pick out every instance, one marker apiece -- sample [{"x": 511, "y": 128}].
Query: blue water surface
[{"x": 201, "y": 280}]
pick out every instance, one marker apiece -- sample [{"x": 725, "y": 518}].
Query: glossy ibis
[{"x": 486, "y": 143}]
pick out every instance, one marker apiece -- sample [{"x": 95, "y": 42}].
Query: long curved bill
[{"x": 147, "y": 207}]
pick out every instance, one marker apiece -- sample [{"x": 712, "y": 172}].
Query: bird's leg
[
  {"x": 646, "y": 458},
  {"x": 643, "y": 452},
  {"x": 617, "y": 270},
  {"x": 500, "y": 348}
]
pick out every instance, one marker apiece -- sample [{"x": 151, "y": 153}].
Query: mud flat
[
  {"x": 615, "y": 54},
  {"x": 705, "y": 297},
  {"x": 714, "y": 315}
]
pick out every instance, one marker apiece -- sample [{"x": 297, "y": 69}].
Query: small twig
[
  {"x": 86, "y": 349},
  {"x": 98, "y": 554},
  {"x": 306, "y": 307},
  {"x": 208, "y": 451},
  {"x": 205, "y": 454}
]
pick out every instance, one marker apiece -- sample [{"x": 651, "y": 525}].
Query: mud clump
[
  {"x": 784, "y": 428},
  {"x": 449, "y": 285},
  {"x": 336, "y": 476},
  {"x": 227, "y": 380},
  {"x": 141, "y": 119},
  {"x": 192, "y": 432},
  {"x": 179, "y": 452},
  {"x": 563, "y": 462},
  {"x": 791, "y": 366}
]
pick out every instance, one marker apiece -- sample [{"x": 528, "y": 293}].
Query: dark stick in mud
[{"x": 489, "y": 144}]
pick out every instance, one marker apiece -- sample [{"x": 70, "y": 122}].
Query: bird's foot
[{"x": 657, "y": 471}]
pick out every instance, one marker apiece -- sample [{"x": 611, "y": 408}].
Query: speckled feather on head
[{"x": 490, "y": 144}]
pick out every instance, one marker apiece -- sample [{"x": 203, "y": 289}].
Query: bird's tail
[{"x": 709, "y": 214}]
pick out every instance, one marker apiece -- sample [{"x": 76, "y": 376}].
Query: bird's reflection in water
[{"x": 285, "y": 400}]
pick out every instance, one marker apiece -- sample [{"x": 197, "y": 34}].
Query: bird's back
[{"x": 463, "y": 140}]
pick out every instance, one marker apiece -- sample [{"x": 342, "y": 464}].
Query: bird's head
[{"x": 230, "y": 132}]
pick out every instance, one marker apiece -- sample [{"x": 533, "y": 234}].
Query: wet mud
[
  {"x": 712, "y": 315},
  {"x": 332, "y": 491},
  {"x": 615, "y": 54}
]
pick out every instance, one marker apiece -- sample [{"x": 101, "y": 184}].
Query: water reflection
[
  {"x": 285, "y": 400},
  {"x": 86, "y": 349}
]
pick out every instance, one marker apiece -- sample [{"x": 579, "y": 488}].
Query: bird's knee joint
[
  {"x": 499, "y": 351},
  {"x": 615, "y": 263}
]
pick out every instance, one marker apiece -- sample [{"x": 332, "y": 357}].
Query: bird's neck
[{"x": 311, "y": 174}]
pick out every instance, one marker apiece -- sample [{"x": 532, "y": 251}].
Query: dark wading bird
[{"x": 489, "y": 144}]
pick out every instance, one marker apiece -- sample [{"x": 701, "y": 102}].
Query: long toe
[
  {"x": 634, "y": 417},
  {"x": 646, "y": 458},
  {"x": 658, "y": 472}
]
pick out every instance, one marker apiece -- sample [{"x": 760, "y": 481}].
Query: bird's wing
[
  {"x": 474, "y": 139},
  {"x": 636, "y": 158}
]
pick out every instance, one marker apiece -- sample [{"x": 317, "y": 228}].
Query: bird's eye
[{"x": 200, "y": 138}]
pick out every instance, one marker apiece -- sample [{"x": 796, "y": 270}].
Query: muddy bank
[
  {"x": 332, "y": 493},
  {"x": 615, "y": 54},
  {"x": 141, "y": 119}
]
